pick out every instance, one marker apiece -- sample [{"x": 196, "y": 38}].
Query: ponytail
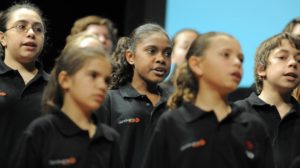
[
  {"x": 186, "y": 87},
  {"x": 122, "y": 71},
  {"x": 52, "y": 95}
]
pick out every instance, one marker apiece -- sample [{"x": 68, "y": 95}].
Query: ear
[
  {"x": 129, "y": 57},
  {"x": 2, "y": 39},
  {"x": 64, "y": 80},
  {"x": 261, "y": 71},
  {"x": 195, "y": 63}
]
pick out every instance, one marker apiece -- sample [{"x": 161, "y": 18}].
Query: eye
[
  {"x": 21, "y": 27},
  {"x": 168, "y": 53},
  {"x": 38, "y": 29},
  {"x": 93, "y": 75},
  {"x": 107, "y": 80},
  {"x": 282, "y": 57},
  {"x": 151, "y": 51},
  {"x": 226, "y": 54}
]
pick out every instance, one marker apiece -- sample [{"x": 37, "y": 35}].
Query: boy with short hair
[{"x": 277, "y": 74}]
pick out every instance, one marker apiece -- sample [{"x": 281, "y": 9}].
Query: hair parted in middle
[{"x": 122, "y": 71}]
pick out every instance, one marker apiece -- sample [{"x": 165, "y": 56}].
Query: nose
[
  {"x": 293, "y": 62},
  {"x": 237, "y": 61},
  {"x": 30, "y": 32},
  {"x": 160, "y": 58},
  {"x": 102, "y": 84}
]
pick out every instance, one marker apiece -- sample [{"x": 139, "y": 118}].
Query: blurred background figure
[
  {"x": 102, "y": 27},
  {"x": 293, "y": 27},
  {"x": 182, "y": 41}
]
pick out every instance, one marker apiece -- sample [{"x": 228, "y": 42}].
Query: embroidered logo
[
  {"x": 130, "y": 120},
  {"x": 196, "y": 144},
  {"x": 63, "y": 162},
  {"x": 249, "y": 149},
  {"x": 2, "y": 93}
]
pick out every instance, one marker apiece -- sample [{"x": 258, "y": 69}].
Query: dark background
[
  {"x": 125, "y": 14},
  {"x": 61, "y": 14}
]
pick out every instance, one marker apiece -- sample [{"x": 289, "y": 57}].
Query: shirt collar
[
  {"x": 128, "y": 91},
  {"x": 4, "y": 69},
  {"x": 68, "y": 128},
  {"x": 254, "y": 100},
  {"x": 192, "y": 113}
]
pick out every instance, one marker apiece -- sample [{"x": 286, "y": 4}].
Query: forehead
[
  {"x": 285, "y": 46},
  {"x": 100, "y": 64},
  {"x": 154, "y": 39},
  {"x": 97, "y": 28},
  {"x": 189, "y": 35},
  {"x": 223, "y": 41},
  {"x": 24, "y": 14}
]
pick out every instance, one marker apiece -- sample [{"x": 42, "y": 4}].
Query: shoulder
[
  {"x": 40, "y": 124},
  {"x": 109, "y": 133}
]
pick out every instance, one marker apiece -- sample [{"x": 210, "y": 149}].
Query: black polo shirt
[
  {"x": 189, "y": 137},
  {"x": 285, "y": 132},
  {"x": 19, "y": 105},
  {"x": 134, "y": 117},
  {"x": 54, "y": 140}
]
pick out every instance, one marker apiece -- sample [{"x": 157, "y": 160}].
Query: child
[
  {"x": 277, "y": 74},
  {"x": 136, "y": 101},
  {"x": 182, "y": 41},
  {"x": 103, "y": 28},
  {"x": 22, "y": 77},
  {"x": 68, "y": 135},
  {"x": 293, "y": 27},
  {"x": 202, "y": 129}
]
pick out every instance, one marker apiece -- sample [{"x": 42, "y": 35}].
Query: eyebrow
[{"x": 25, "y": 21}]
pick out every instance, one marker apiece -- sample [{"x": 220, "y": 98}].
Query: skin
[
  {"x": 219, "y": 72},
  {"x": 151, "y": 62},
  {"x": 103, "y": 35},
  {"x": 22, "y": 47},
  {"x": 85, "y": 91},
  {"x": 282, "y": 75},
  {"x": 182, "y": 44}
]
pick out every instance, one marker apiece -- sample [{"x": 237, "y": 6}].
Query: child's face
[
  {"x": 182, "y": 45},
  {"x": 87, "y": 88},
  {"x": 23, "y": 40},
  {"x": 283, "y": 69},
  {"x": 222, "y": 64},
  {"x": 152, "y": 58},
  {"x": 103, "y": 34}
]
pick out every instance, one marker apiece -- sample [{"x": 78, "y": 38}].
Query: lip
[
  {"x": 30, "y": 45},
  {"x": 99, "y": 98},
  {"x": 160, "y": 71},
  {"x": 291, "y": 76},
  {"x": 237, "y": 76}
]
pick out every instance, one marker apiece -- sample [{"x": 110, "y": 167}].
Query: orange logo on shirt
[
  {"x": 130, "y": 120},
  {"x": 196, "y": 144},
  {"x": 64, "y": 162}
]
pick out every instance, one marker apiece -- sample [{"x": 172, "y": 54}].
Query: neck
[
  {"x": 29, "y": 67},
  {"x": 81, "y": 117},
  {"x": 211, "y": 100},
  {"x": 151, "y": 91},
  {"x": 27, "y": 71},
  {"x": 275, "y": 97},
  {"x": 145, "y": 88},
  {"x": 281, "y": 100}
]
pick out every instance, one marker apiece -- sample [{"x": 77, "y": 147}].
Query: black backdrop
[{"x": 61, "y": 14}]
